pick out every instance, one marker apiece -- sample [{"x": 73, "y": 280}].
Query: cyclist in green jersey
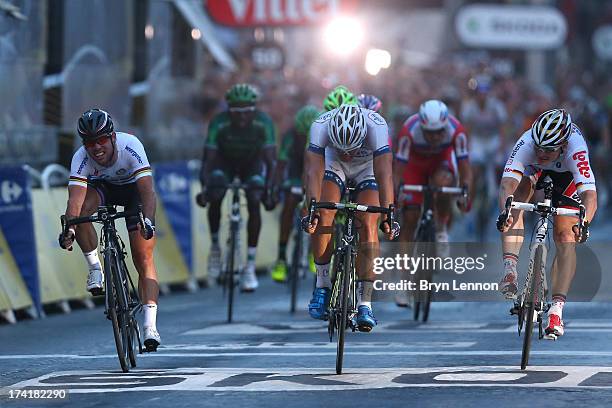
[
  {"x": 289, "y": 171},
  {"x": 241, "y": 143}
]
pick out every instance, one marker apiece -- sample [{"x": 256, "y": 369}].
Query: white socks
[
  {"x": 92, "y": 259},
  {"x": 323, "y": 278},
  {"x": 150, "y": 315},
  {"x": 364, "y": 293}
]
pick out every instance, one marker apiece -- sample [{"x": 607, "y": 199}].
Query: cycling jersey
[
  {"x": 375, "y": 143},
  {"x": 292, "y": 149},
  {"x": 412, "y": 143},
  {"x": 239, "y": 145},
  {"x": 131, "y": 164},
  {"x": 359, "y": 167},
  {"x": 574, "y": 159}
]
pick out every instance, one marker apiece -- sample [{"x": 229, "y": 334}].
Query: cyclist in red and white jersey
[
  {"x": 553, "y": 147},
  {"x": 432, "y": 146}
]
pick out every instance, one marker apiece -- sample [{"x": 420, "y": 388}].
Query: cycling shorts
[
  {"x": 359, "y": 173},
  {"x": 564, "y": 189},
  {"x": 125, "y": 195}
]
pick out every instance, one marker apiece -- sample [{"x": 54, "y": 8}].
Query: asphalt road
[{"x": 467, "y": 355}]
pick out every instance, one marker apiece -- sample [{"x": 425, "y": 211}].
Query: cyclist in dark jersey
[
  {"x": 241, "y": 142},
  {"x": 289, "y": 174}
]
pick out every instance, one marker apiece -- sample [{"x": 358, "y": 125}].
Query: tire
[
  {"x": 530, "y": 307},
  {"x": 115, "y": 309},
  {"x": 294, "y": 275},
  {"x": 344, "y": 304},
  {"x": 229, "y": 278}
]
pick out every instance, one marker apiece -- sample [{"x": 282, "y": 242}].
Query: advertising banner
[{"x": 17, "y": 225}]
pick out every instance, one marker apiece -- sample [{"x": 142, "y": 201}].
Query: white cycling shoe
[
  {"x": 248, "y": 280},
  {"x": 151, "y": 339},
  {"x": 555, "y": 327},
  {"x": 442, "y": 244},
  {"x": 95, "y": 282}
]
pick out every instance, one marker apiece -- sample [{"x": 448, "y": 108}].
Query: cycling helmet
[
  {"x": 347, "y": 128},
  {"x": 552, "y": 128},
  {"x": 94, "y": 123},
  {"x": 337, "y": 97},
  {"x": 305, "y": 117},
  {"x": 369, "y": 102},
  {"x": 242, "y": 94},
  {"x": 433, "y": 115}
]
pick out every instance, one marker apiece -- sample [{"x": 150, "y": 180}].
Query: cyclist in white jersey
[
  {"x": 348, "y": 144},
  {"x": 553, "y": 147},
  {"x": 111, "y": 168}
]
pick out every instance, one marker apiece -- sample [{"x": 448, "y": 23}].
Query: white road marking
[
  {"x": 441, "y": 327},
  {"x": 348, "y": 351},
  {"x": 324, "y": 379},
  {"x": 318, "y": 345}
]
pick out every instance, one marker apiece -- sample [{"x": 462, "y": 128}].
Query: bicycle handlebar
[
  {"x": 103, "y": 214},
  {"x": 543, "y": 208},
  {"x": 314, "y": 205},
  {"x": 434, "y": 189}
]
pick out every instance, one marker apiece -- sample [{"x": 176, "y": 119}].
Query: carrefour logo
[
  {"x": 10, "y": 191},
  {"x": 173, "y": 183}
]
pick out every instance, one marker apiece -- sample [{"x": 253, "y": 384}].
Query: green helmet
[
  {"x": 242, "y": 94},
  {"x": 340, "y": 95},
  {"x": 305, "y": 117}
]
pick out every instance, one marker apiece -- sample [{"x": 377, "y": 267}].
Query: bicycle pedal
[{"x": 514, "y": 310}]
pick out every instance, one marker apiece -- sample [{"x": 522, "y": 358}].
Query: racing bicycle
[
  {"x": 425, "y": 243},
  {"x": 531, "y": 304},
  {"x": 121, "y": 297},
  {"x": 342, "y": 308}
]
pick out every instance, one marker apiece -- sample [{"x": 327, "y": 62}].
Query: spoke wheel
[
  {"x": 529, "y": 307},
  {"x": 344, "y": 305}
]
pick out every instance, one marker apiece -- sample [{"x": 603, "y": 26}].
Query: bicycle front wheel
[
  {"x": 529, "y": 307},
  {"x": 116, "y": 306},
  {"x": 229, "y": 276},
  {"x": 344, "y": 306}
]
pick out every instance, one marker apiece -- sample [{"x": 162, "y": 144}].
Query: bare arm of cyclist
[
  {"x": 76, "y": 198},
  {"x": 589, "y": 200},
  {"x": 314, "y": 167},
  {"x": 383, "y": 173},
  {"x": 147, "y": 196},
  {"x": 507, "y": 188},
  {"x": 269, "y": 156}
]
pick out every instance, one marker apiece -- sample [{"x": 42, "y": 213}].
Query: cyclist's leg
[
  {"x": 279, "y": 273},
  {"x": 142, "y": 257},
  {"x": 443, "y": 176},
  {"x": 322, "y": 247},
  {"x": 512, "y": 240},
  {"x": 254, "y": 195},
  {"x": 87, "y": 239},
  {"x": 217, "y": 183},
  {"x": 564, "y": 263},
  {"x": 369, "y": 248}
]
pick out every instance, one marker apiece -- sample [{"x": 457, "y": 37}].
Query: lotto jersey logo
[{"x": 582, "y": 163}]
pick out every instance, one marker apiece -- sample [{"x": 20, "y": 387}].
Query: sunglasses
[
  {"x": 242, "y": 109},
  {"x": 548, "y": 149},
  {"x": 101, "y": 141}
]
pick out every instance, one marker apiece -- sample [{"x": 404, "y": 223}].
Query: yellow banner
[{"x": 13, "y": 291}]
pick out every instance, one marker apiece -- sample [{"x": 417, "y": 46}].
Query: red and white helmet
[
  {"x": 347, "y": 128},
  {"x": 433, "y": 115}
]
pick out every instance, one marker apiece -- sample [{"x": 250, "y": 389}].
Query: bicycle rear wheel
[
  {"x": 344, "y": 305},
  {"x": 295, "y": 269},
  {"x": 529, "y": 307},
  {"x": 116, "y": 308},
  {"x": 229, "y": 277}
]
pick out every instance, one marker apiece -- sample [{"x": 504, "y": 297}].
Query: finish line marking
[{"x": 323, "y": 379}]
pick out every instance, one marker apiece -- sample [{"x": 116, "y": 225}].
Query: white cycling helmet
[
  {"x": 433, "y": 115},
  {"x": 552, "y": 128},
  {"x": 347, "y": 128}
]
